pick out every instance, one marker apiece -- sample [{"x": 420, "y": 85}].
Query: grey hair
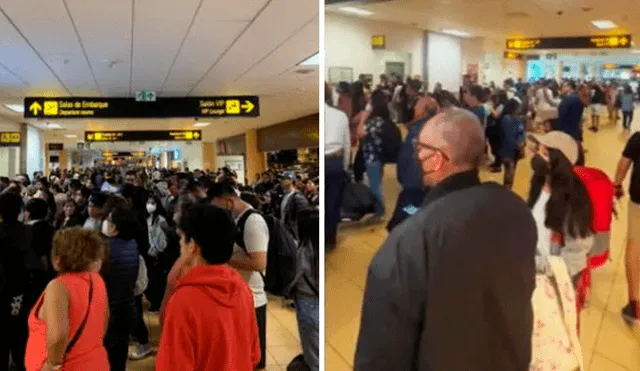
[{"x": 461, "y": 134}]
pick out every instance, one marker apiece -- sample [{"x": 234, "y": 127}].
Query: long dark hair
[
  {"x": 380, "y": 105},
  {"x": 569, "y": 210},
  {"x": 358, "y": 101}
]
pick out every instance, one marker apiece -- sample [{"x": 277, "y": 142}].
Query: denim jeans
[
  {"x": 374, "y": 174},
  {"x": 308, "y": 315}
]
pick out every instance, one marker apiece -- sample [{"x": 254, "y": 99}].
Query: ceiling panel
[
  {"x": 105, "y": 31},
  {"x": 159, "y": 28},
  {"x": 17, "y": 56},
  {"x": 206, "y": 42},
  {"x": 273, "y": 26},
  {"x": 58, "y": 46},
  {"x": 239, "y": 10},
  {"x": 302, "y": 45}
]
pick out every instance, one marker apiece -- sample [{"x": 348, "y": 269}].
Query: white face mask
[
  {"x": 106, "y": 228},
  {"x": 151, "y": 208},
  {"x": 21, "y": 217}
]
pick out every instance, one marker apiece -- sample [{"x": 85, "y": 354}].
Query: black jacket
[{"x": 450, "y": 289}]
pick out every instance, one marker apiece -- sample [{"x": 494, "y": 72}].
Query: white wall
[
  {"x": 348, "y": 44},
  {"x": 35, "y": 150},
  {"x": 498, "y": 69},
  {"x": 444, "y": 61},
  {"x": 472, "y": 53}
]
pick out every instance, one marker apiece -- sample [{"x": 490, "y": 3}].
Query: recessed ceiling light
[
  {"x": 53, "y": 125},
  {"x": 313, "y": 60},
  {"x": 201, "y": 124},
  {"x": 356, "y": 11},
  {"x": 70, "y": 136},
  {"x": 15, "y": 107},
  {"x": 604, "y": 24},
  {"x": 455, "y": 33}
]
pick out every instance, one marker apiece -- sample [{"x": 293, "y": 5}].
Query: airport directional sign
[
  {"x": 106, "y": 108},
  {"x": 142, "y": 136},
  {"x": 10, "y": 139},
  {"x": 581, "y": 42}
]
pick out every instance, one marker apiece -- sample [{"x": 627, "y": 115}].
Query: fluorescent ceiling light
[
  {"x": 70, "y": 136},
  {"x": 356, "y": 11},
  {"x": 313, "y": 60},
  {"x": 456, "y": 33},
  {"x": 636, "y": 51},
  {"x": 15, "y": 107},
  {"x": 201, "y": 124},
  {"x": 604, "y": 24},
  {"x": 53, "y": 125}
]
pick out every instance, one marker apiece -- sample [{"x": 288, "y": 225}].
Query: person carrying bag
[{"x": 555, "y": 321}]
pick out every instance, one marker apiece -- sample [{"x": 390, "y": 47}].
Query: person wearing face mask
[
  {"x": 250, "y": 252},
  {"x": 450, "y": 287},
  {"x": 70, "y": 217},
  {"x": 563, "y": 206},
  {"x": 120, "y": 277},
  {"x": 95, "y": 204}
]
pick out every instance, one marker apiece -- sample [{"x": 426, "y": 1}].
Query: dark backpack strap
[
  {"x": 75, "y": 337},
  {"x": 240, "y": 235},
  {"x": 241, "y": 223}
]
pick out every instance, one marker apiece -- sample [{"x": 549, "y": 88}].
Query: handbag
[{"x": 555, "y": 344}]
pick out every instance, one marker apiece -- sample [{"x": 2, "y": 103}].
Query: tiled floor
[
  {"x": 608, "y": 344},
  {"x": 282, "y": 338}
]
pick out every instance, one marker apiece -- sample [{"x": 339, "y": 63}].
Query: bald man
[{"x": 451, "y": 287}]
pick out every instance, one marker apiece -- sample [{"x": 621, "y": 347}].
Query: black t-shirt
[
  {"x": 598, "y": 96},
  {"x": 632, "y": 152}
]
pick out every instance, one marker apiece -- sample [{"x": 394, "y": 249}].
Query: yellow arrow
[
  {"x": 248, "y": 106},
  {"x": 196, "y": 135},
  {"x": 35, "y": 107}
]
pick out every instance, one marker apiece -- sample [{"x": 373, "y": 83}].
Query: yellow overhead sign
[
  {"x": 225, "y": 107},
  {"x": 582, "y": 42},
  {"x": 10, "y": 138},
  {"x": 378, "y": 42}
]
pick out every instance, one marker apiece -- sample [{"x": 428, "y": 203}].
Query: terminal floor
[
  {"x": 607, "y": 343},
  {"x": 282, "y": 338}
]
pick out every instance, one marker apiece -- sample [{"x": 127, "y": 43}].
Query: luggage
[
  {"x": 601, "y": 193},
  {"x": 357, "y": 202},
  {"x": 391, "y": 142}
]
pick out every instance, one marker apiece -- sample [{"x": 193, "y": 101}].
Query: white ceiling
[
  {"x": 177, "y": 48},
  {"x": 500, "y": 19}
]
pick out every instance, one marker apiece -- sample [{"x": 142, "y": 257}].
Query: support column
[
  {"x": 23, "y": 149},
  {"x": 47, "y": 164},
  {"x": 254, "y": 160},
  {"x": 559, "y": 70},
  {"x": 209, "y": 156},
  {"x": 63, "y": 160}
]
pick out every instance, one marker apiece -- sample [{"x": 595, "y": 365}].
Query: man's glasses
[{"x": 417, "y": 146}]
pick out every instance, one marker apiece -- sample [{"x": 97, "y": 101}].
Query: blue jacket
[
  {"x": 570, "y": 113},
  {"x": 408, "y": 171},
  {"x": 511, "y": 136},
  {"x": 122, "y": 271}
]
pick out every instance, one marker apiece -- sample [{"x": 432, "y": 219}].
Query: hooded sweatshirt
[{"x": 210, "y": 323}]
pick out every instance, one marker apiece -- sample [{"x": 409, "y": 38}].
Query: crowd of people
[
  {"x": 480, "y": 303},
  {"x": 86, "y": 252}
]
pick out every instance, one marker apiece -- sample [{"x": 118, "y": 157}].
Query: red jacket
[{"x": 210, "y": 323}]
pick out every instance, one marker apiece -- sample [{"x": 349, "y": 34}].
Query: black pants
[
  {"x": 334, "y": 183},
  {"x": 581, "y": 159},
  {"x": 261, "y": 317},
  {"x": 140, "y": 332},
  {"x": 157, "y": 272},
  {"x": 627, "y": 119},
  {"x": 15, "y": 331},
  {"x": 493, "y": 136},
  {"x": 358, "y": 166},
  {"x": 116, "y": 341}
]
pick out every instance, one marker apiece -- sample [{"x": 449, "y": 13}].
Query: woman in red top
[{"x": 68, "y": 322}]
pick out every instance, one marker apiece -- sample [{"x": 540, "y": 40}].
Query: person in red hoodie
[{"x": 209, "y": 323}]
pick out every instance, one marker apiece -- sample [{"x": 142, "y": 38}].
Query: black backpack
[
  {"x": 281, "y": 254},
  {"x": 391, "y": 142}
]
